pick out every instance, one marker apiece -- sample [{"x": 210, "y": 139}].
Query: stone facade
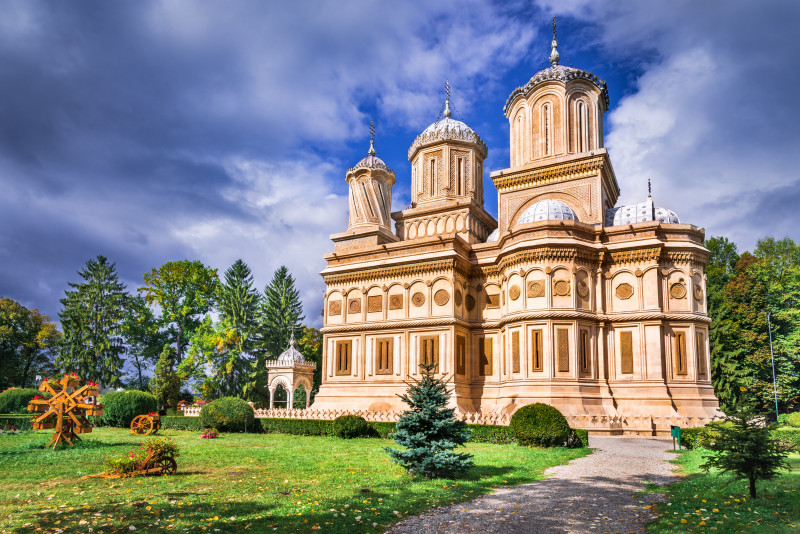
[{"x": 546, "y": 304}]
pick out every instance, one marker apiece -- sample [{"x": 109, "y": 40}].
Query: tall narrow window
[
  {"x": 384, "y": 361},
  {"x": 680, "y": 354},
  {"x": 344, "y": 353},
  {"x": 582, "y": 133},
  {"x": 485, "y": 356},
  {"x": 515, "y": 367},
  {"x": 429, "y": 351},
  {"x": 562, "y": 338},
  {"x": 584, "y": 351},
  {"x": 460, "y": 176},
  {"x": 520, "y": 143},
  {"x": 702, "y": 368},
  {"x": 432, "y": 189},
  {"x": 536, "y": 350},
  {"x": 546, "y": 129},
  {"x": 461, "y": 355},
  {"x": 626, "y": 352}
]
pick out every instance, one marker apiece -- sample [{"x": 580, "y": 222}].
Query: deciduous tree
[{"x": 28, "y": 344}]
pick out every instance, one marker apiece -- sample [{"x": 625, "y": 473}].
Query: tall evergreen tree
[
  {"x": 428, "y": 430},
  {"x": 280, "y": 310},
  {"x": 166, "y": 383},
  {"x": 91, "y": 317}
]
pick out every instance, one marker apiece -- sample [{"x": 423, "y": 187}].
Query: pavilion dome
[
  {"x": 447, "y": 129},
  {"x": 291, "y": 355},
  {"x": 371, "y": 161},
  {"x": 547, "y": 210}
]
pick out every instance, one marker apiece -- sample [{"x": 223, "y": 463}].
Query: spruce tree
[
  {"x": 91, "y": 318},
  {"x": 428, "y": 430},
  {"x": 280, "y": 310},
  {"x": 746, "y": 448}
]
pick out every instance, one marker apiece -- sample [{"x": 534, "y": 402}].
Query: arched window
[
  {"x": 519, "y": 148},
  {"x": 546, "y": 129},
  {"x": 582, "y": 126},
  {"x": 432, "y": 189}
]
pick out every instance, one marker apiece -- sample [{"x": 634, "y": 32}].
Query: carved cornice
[
  {"x": 637, "y": 255},
  {"x": 443, "y": 132},
  {"x": 550, "y": 174},
  {"x": 395, "y": 271},
  {"x": 560, "y": 73},
  {"x": 517, "y": 317},
  {"x": 694, "y": 258}
]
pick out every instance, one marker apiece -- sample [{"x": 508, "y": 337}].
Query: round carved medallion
[
  {"x": 354, "y": 306},
  {"x": 441, "y": 297},
  {"x": 536, "y": 288},
  {"x": 514, "y": 292},
  {"x": 583, "y": 289},
  {"x": 561, "y": 288},
  {"x": 458, "y": 297},
  {"x": 624, "y": 291},
  {"x": 418, "y": 299},
  {"x": 698, "y": 293},
  {"x": 469, "y": 300},
  {"x": 677, "y": 290}
]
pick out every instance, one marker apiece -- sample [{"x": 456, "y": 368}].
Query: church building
[{"x": 565, "y": 298}]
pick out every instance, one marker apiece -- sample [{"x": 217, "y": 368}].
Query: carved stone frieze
[
  {"x": 354, "y": 306},
  {"x": 535, "y": 288},
  {"x": 624, "y": 291},
  {"x": 418, "y": 299},
  {"x": 395, "y": 302},
  {"x": 441, "y": 297},
  {"x": 492, "y": 300},
  {"x": 561, "y": 288},
  {"x": 375, "y": 303},
  {"x": 335, "y": 307},
  {"x": 677, "y": 290},
  {"x": 514, "y": 292}
]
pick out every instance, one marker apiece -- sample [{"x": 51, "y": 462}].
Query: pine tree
[
  {"x": 91, "y": 318},
  {"x": 428, "y": 430},
  {"x": 166, "y": 384},
  {"x": 747, "y": 449},
  {"x": 280, "y": 310}
]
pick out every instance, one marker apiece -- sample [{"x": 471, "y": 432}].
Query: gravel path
[{"x": 590, "y": 494}]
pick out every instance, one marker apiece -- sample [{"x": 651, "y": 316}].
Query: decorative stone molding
[
  {"x": 514, "y": 292},
  {"x": 418, "y": 299},
  {"x": 698, "y": 293},
  {"x": 535, "y": 288},
  {"x": 395, "y": 271},
  {"x": 354, "y": 306},
  {"x": 441, "y": 297},
  {"x": 677, "y": 290},
  {"x": 375, "y": 303},
  {"x": 624, "y": 291},
  {"x": 582, "y": 289},
  {"x": 561, "y": 288},
  {"x": 447, "y": 134},
  {"x": 395, "y": 302},
  {"x": 560, "y": 73},
  {"x": 335, "y": 307},
  {"x": 623, "y": 257}
]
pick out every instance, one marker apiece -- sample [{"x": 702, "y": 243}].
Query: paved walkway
[{"x": 590, "y": 494}]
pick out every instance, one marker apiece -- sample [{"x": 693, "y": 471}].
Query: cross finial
[
  {"x": 447, "y": 88},
  {"x": 447, "y": 111},
  {"x": 291, "y": 339},
  {"x": 371, "y": 151},
  {"x": 649, "y": 188},
  {"x": 555, "y": 57}
]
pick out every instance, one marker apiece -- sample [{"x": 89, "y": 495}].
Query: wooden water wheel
[
  {"x": 144, "y": 425},
  {"x": 66, "y": 409}
]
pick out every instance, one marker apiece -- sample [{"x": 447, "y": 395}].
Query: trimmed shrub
[
  {"x": 690, "y": 437},
  {"x": 122, "y": 406},
  {"x": 793, "y": 420},
  {"x": 16, "y": 400},
  {"x": 350, "y": 426},
  {"x": 179, "y": 422},
  {"x": 539, "y": 425},
  {"x": 22, "y": 422},
  {"x": 489, "y": 434},
  {"x": 228, "y": 414},
  {"x": 788, "y": 435},
  {"x": 297, "y": 427},
  {"x": 382, "y": 430}
]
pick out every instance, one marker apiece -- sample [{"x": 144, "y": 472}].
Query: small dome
[
  {"x": 447, "y": 129},
  {"x": 493, "y": 236},
  {"x": 547, "y": 210},
  {"x": 370, "y": 162},
  {"x": 642, "y": 212},
  {"x": 291, "y": 355}
]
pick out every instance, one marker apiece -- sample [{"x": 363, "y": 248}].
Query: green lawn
[
  {"x": 707, "y": 502},
  {"x": 240, "y": 482}
]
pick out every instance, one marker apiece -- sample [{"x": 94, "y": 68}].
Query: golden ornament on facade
[
  {"x": 354, "y": 306},
  {"x": 677, "y": 290},
  {"x": 458, "y": 297},
  {"x": 514, "y": 292},
  {"x": 583, "y": 289},
  {"x": 536, "y": 288},
  {"x": 470, "y": 302},
  {"x": 624, "y": 291},
  {"x": 335, "y": 307},
  {"x": 561, "y": 288},
  {"x": 375, "y": 303},
  {"x": 441, "y": 297},
  {"x": 418, "y": 299},
  {"x": 698, "y": 293},
  {"x": 395, "y": 302}
]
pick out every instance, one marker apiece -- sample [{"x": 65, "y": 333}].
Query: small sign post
[{"x": 675, "y": 431}]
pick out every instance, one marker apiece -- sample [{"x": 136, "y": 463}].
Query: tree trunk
[{"x": 752, "y": 486}]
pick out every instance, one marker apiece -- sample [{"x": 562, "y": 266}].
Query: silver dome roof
[
  {"x": 447, "y": 129},
  {"x": 642, "y": 212},
  {"x": 547, "y": 210}
]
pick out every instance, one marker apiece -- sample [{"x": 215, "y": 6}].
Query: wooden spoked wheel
[
  {"x": 143, "y": 425},
  {"x": 165, "y": 464}
]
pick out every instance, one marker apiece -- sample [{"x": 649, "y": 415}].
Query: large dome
[
  {"x": 642, "y": 212},
  {"x": 547, "y": 210}
]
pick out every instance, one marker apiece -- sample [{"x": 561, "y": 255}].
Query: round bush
[
  {"x": 539, "y": 425},
  {"x": 350, "y": 426},
  {"x": 122, "y": 406},
  {"x": 16, "y": 400},
  {"x": 228, "y": 414},
  {"x": 793, "y": 420}
]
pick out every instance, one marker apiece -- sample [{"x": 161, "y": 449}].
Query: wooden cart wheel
[
  {"x": 167, "y": 465},
  {"x": 142, "y": 425}
]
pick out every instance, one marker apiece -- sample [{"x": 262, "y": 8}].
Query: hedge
[
  {"x": 22, "y": 422},
  {"x": 351, "y": 426},
  {"x": 297, "y": 427},
  {"x": 489, "y": 434},
  {"x": 791, "y": 435},
  {"x": 179, "y": 422},
  {"x": 15, "y": 401}
]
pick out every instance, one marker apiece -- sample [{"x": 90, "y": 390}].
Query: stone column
[
  {"x": 271, "y": 398},
  {"x": 308, "y": 398}
]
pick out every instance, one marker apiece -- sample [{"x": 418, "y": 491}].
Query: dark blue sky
[{"x": 154, "y": 131}]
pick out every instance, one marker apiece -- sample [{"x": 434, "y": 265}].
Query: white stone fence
[{"x": 644, "y": 425}]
